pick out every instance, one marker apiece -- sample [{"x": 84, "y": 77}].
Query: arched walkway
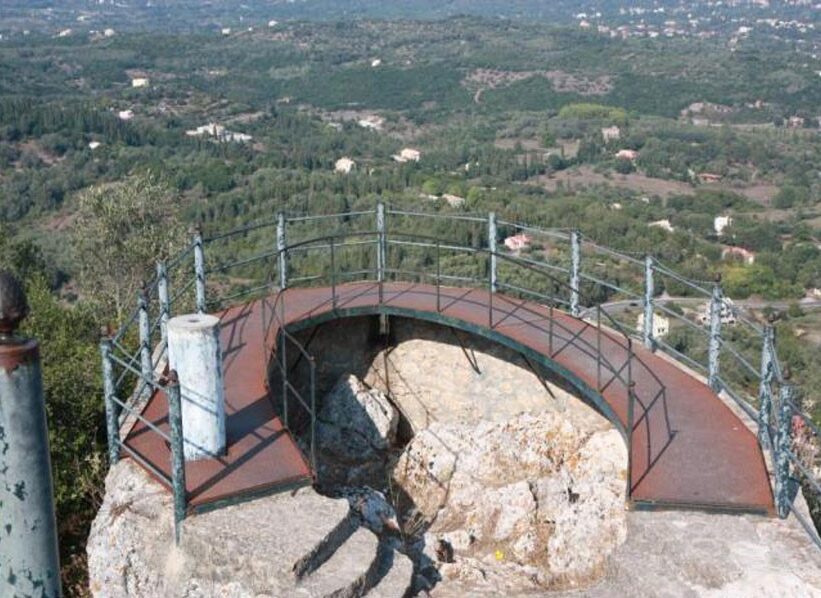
[{"x": 689, "y": 450}]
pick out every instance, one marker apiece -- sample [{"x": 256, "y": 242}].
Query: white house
[
  {"x": 125, "y": 114},
  {"x": 722, "y": 222},
  {"x": 140, "y": 82},
  {"x": 518, "y": 242},
  {"x": 226, "y": 31},
  {"x": 344, "y": 165},
  {"x": 408, "y": 155},
  {"x": 610, "y": 133},
  {"x": 372, "y": 122},
  {"x": 738, "y": 253},
  {"x": 273, "y": 23},
  {"x": 663, "y": 224},
  {"x": 109, "y": 32},
  {"x": 661, "y": 325},
  {"x": 627, "y": 154},
  {"x": 219, "y": 132},
  {"x": 92, "y": 145},
  {"x": 376, "y": 62}
]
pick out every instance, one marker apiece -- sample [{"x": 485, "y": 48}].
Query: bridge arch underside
[{"x": 687, "y": 448}]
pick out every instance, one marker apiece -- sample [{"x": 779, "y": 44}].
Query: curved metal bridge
[{"x": 693, "y": 441}]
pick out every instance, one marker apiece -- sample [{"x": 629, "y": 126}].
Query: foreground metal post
[
  {"x": 714, "y": 349},
  {"x": 112, "y": 414},
  {"x": 164, "y": 301},
  {"x": 575, "y": 271},
  {"x": 29, "y": 560},
  {"x": 765, "y": 393},
  {"x": 649, "y": 290},
  {"x": 172, "y": 392},
  {"x": 282, "y": 243},
  {"x": 782, "y": 451},
  {"x": 491, "y": 245},
  {"x": 199, "y": 270},
  {"x": 146, "y": 363}
]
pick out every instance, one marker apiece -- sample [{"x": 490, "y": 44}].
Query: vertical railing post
[
  {"x": 550, "y": 332},
  {"x": 631, "y": 403},
  {"x": 649, "y": 291},
  {"x": 714, "y": 349},
  {"x": 492, "y": 237},
  {"x": 146, "y": 364},
  {"x": 312, "y": 363},
  {"x": 164, "y": 301},
  {"x": 783, "y": 449},
  {"x": 598, "y": 348},
  {"x": 112, "y": 412},
  {"x": 29, "y": 558},
  {"x": 575, "y": 271},
  {"x": 438, "y": 275},
  {"x": 282, "y": 243},
  {"x": 380, "y": 242},
  {"x": 172, "y": 391},
  {"x": 199, "y": 270},
  {"x": 765, "y": 393},
  {"x": 333, "y": 273}
]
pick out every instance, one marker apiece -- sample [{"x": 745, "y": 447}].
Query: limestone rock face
[
  {"x": 296, "y": 544},
  {"x": 533, "y": 501},
  {"x": 356, "y": 427}
]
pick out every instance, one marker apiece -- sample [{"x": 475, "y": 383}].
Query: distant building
[
  {"x": 226, "y": 31},
  {"x": 408, "y": 155},
  {"x": 627, "y": 154},
  {"x": 454, "y": 201},
  {"x": 372, "y": 122},
  {"x": 814, "y": 293},
  {"x": 722, "y": 222},
  {"x": 65, "y": 33},
  {"x": 376, "y": 62},
  {"x": 140, "y": 82},
  {"x": 663, "y": 224},
  {"x": 518, "y": 242},
  {"x": 109, "y": 32},
  {"x": 738, "y": 253},
  {"x": 344, "y": 165},
  {"x": 219, "y": 133},
  {"x": 125, "y": 114},
  {"x": 661, "y": 325},
  {"x": 92, "y": 145},
  {"x": 273, "y": 23},
  {"x": 610, "y": 133},
  {"x": 709, "y": 177},
  {"x": 728, "y": 313},
  {"x": 795, "y": 122}
]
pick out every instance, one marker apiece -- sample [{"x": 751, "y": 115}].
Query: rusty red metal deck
[{"x": 689, "y": 449}]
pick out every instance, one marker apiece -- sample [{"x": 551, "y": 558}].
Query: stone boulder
[
  {"x": 356, "y": 428},
  {"x": 534, "y": 501}
]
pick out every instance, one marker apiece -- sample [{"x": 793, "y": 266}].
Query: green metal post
[
  {"x": 164, "y": 301},
  {"x": 146, "y": 363},
  {"x": 714, "y": 349},
  {"x": 782, "y": 451},
  {"x": 112, "y": 411},
  {"x": 172, "y": 391},
  {"x": 282, "y": 243},
  {"x": 649, "y": 290},
  {"x": 575, "y": 272},
  {"x": 199, "y": 270},
  {"x": 765, "y": 393}
]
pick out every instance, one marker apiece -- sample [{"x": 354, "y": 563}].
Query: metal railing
[{"x": 560, "y": 270}]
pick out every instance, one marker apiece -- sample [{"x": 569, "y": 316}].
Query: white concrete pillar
[{"x": 194, "y": 352}]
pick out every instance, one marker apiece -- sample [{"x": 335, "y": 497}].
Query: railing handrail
[{"x": 557, "y": 288}]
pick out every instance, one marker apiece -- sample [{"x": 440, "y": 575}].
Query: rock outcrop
[
  {"x": 356, "y": 428},
  {"x": 293, "y": 544},
  {"x": 533, "y": 501}
]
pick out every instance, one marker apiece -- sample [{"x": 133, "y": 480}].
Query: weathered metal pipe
[{"x": 29, "y": 558}]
